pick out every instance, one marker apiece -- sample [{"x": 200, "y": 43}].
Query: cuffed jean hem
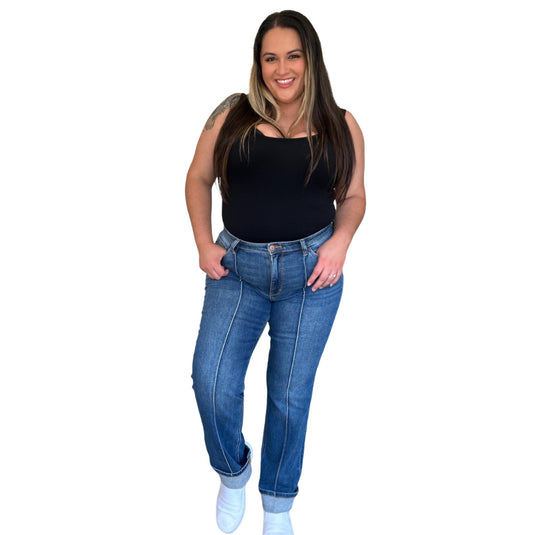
[
  {"x": 239, "y": 480},
  {"x": 276, "y": 504}
]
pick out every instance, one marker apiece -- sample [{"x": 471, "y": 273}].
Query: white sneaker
[
  {"x": 230, "y": 508},
  {"x": 277, "y": 524}
]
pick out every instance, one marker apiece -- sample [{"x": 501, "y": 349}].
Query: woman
[{"x": 290, "y": 165}]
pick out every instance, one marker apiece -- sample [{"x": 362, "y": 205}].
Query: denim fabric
[{"x": 266, "y": 284}]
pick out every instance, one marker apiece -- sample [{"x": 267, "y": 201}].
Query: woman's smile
[{"x": 285, "y": 83}]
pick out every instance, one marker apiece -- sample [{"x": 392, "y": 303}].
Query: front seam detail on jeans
[
  {"x": 288, "y": 391},
  {"x": 216, "y": 377}
]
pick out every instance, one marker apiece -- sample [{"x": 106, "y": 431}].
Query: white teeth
[{"x": 285, "y": 81}]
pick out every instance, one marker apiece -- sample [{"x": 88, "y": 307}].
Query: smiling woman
[
  {"x": 290, "y": 165},
  {"x": 283, "y": 69}
]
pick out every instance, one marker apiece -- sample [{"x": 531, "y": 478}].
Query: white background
[{"x": 422, "y": 420}]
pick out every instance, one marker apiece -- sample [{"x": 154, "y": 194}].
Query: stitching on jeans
[
  {"x": 305, "y": 270},
  {"x": 288, "y": 390},
  {"x": 217, "y": 374},
  {"x": 281, "y": 276}
]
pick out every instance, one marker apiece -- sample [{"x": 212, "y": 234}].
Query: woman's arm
[
  {"x": 199, "y": 182},
  {"x": 348, "y": 217}
]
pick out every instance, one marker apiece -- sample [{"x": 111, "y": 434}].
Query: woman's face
[{"x": 283, "y": 64}]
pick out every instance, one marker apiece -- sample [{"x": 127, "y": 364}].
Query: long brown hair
[{"x": 318, "y": 108}]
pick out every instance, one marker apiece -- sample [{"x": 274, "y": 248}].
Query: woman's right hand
[{"x": 210, "y": 257}]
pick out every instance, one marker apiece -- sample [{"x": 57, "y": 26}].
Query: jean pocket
[
  {"x": 318, "y": 242},
  {"x": 313, "y": 251},
  {"x": 223, "y": 243},
  {"x": 228, "y": 260},
  {"x": 313, "y": 247}
]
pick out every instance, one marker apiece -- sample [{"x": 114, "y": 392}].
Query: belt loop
[
  {"x": 234, "y": 244},
  {"x": 304, "y": 247},
  {"x": 231, "y": 240}
]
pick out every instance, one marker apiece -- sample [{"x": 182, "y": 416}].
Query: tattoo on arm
[{"x": 227, "y": 103}]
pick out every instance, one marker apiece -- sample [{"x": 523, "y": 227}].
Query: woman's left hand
[{"x": 328, "y": 270}]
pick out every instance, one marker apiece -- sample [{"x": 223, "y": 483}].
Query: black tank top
[{"x": 268, "y": 199}]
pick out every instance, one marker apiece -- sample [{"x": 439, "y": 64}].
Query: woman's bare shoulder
[
  {"x": 219, "y": 114},
  {"x": 354, "y": 127},
  {"x": 350, "y": 119}
]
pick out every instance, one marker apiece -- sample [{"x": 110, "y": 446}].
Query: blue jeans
[{"x": 266, "y": 285}]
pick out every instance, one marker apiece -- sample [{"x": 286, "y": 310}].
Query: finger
[
  {"x": 321, "y": 281},
  {"x": 318, "y": 276},
  {"x": 327, "y": 278},
  {"x": 315, "y": 274},
  {"x": 320, "y": 284},
  {"x": 220, "y": 272},
  {"x": 216, "y": 271},
  {"x": 335, "y": 279}
]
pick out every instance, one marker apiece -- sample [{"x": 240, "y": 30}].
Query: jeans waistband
[{"x": 230, "y": 241}]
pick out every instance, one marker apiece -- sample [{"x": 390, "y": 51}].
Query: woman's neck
[
  {"x": 286, "y": 121},
  {"x": 288, "y": 114}
]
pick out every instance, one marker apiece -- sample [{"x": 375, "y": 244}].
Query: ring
[{"x": 332, "y": 275}]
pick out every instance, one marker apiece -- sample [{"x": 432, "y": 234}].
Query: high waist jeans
[{"x": 266, "y": 284}]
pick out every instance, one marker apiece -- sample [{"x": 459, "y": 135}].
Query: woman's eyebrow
[{"x": 290, "y": 52}]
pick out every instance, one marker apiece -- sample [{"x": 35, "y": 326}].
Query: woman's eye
[
  {"x": 270, "y": 59},
  {"x": 294, "y": 56}
]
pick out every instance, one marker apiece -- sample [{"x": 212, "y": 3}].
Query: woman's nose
[{"x": 282, "y": 67}]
